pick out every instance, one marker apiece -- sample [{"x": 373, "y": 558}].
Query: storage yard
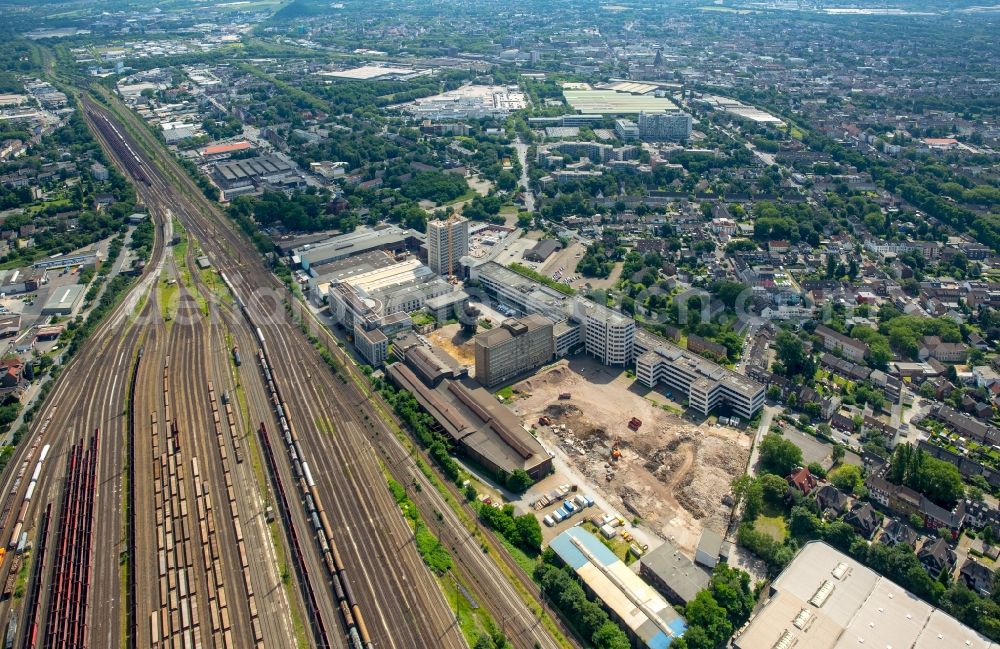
[{"x": 671, "y": 473}]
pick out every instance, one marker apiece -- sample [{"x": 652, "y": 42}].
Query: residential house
[
  {"x": 976, "y": 577},
  {"x": 896, "y": 531},
  {"x": 850, "y": 348},
  {"x": 934, "y": 347},
  {"x": 906, "y": 501},
  {"x": 802, "y": 480},
  {"x": 937, "y": 556},
  {"x": 864, "y": 519},
  {"x": 11, "y": 375},
  {"x": 831, "y": 501}
]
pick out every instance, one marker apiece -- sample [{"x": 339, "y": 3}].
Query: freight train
[{"x": 353, "y": 619}]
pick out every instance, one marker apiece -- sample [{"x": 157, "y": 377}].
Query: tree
[
  {"x": 704, "y": 612},
  {"x": 610, "y": 636},
  {"x": 838, "y": 453},
  {"x": 748, "y": 491},
  {"x": 730, "y": 587},
  {"x": 803, "y": 524},
  {"x": 519, "y": 481},
  {"x": 938, "y": 480},
  {"x": 817, "y": 469},
  {"x": 792, "y": 359},
  {"x": 774, "y": 487},
  {"x": 779, "y": 455},
  {"x": 529, "y": 532},
  {"x": 847, "y": 477}
]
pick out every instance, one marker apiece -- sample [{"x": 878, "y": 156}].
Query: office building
[
  {"x": 615, "y": 340},
  {"x": 706, "y": 385},
  {"x": 664, "y": 127},
  {"x": 608, "y": 335},
  {"x": 399, "y": 288},
  {"x": 627, "y": 130},
  {"x": 825, "y": 599},
  {"x": 512, "y": 349},
  {"x": 372, "y": 344},
  {"x": 447, "y": 243}
]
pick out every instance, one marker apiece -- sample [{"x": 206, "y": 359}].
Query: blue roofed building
[{"x": 635, "y": 605}]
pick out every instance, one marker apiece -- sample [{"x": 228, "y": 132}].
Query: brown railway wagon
[
  {"x": 258, "y": 634},
  {"x": 216, "y": 618}
]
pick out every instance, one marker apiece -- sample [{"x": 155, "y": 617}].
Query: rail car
[
  {"x": 11, "y": 631},
  {"x": 301, "y": 470}
]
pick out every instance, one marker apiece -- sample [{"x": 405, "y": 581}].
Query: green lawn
[{"x": 774, "y": 526}]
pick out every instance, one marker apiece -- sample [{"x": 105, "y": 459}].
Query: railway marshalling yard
[{"x": 164, "y": 489}]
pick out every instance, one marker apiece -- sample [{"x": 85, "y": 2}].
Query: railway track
[
  {"x": 410, "y": 608},
  {"x": 349, "y": 452}
]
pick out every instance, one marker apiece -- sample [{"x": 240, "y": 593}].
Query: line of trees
[{"x": 590, "y": 620}]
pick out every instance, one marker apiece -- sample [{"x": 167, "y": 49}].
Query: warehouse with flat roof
[
  {"x": 825, "y": 599},
  {"x": 64, "y": 300},
  {"x": 389, "y": 238},
  {"x": 648, "y": 619}
]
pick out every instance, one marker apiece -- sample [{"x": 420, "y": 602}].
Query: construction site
[{"x": 648, "y": 462}]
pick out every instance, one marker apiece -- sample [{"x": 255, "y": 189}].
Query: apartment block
[{"x": 668, "y": 127}]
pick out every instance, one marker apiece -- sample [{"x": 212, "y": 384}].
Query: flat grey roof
[
  {"x": 675, "y": 570},
  {"x": 64, "y": 296}
]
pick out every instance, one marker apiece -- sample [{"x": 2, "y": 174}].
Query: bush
[{"x": 522, "y": 531}]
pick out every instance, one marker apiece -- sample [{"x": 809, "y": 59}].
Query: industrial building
[
  {"x": 612, "y": 102},
  {"x": 470, "y": 102},
  {"x": 676, "y": 576},
  {"x": 480, "y": 428},
  {"x": 21, "y": 280},
  {"x": 65, "y": 261},
  {"x": 825, "y": 599},
  {"x": 64, "y": 300},
  {"x": 664, "y": 127},
  {"x": 384, "y": 296},
  {"x": 542, "y": 250},
  {"x": 513, "y": 348},
  {"x": 705, "y": 384},
  {"x": 447, "y": 243},
  {"x": 235, "y": 177},
  {"x": 389, "y": 238},
  {"x": 635, "y": 605}
]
